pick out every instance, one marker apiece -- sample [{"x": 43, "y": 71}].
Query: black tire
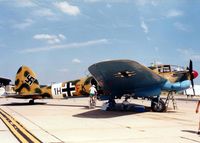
[
  {"x": 111, "y": 105},
  {"x": 31, "y": 101},
  {"x": 158, "y": 106}
]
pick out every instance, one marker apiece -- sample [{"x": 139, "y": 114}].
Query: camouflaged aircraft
[
  {"x": 118, "y": 78},
  {"x": 115, "y": 79},
  {"x": 28, "y": 87}
]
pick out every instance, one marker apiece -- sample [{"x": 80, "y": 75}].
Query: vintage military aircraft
[
  {"x": 119, "y": 78},
  {"x": 27, "y": 87},
  {"x": 113, "y": 79}
]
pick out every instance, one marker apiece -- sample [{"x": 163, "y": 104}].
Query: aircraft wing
[
  {"x": 120, "y": 77},
  {"x": 22, "y": 96}
]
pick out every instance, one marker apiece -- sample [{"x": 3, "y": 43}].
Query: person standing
[
  {"x": 197, "y": 111},
  {"x": 93, "y": 93}
]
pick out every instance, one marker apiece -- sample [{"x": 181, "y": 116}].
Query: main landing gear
[
  {"x": 158, "y": 105},
  {"x": 111, "y": 104},
  {"x": 31, "y": 101}
]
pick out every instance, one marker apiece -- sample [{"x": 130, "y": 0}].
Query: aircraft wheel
[
  {"x": 158, "y": 106},
  {"x": 31, "y": 101},
  {"x": 111, "y": 105}
]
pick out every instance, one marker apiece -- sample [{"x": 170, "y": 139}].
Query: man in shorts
[{"x": 93, "y": 93}]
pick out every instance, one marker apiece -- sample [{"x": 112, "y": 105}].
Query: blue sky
[{"x": 60, "y": 39}]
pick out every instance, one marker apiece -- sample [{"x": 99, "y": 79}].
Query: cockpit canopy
[{"x": 167, "y": 68}]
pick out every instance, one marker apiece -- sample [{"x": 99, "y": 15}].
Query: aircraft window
[
  {"x": 163, "y": 69},
  {"x": 166, "y": 69},
  {"x": 177, "y": 68}
]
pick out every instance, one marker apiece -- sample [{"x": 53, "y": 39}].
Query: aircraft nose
[{"x": 195, "y": 73}]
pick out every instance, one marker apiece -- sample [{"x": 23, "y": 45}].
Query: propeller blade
[
  {"x": 192, "y": 82},
  {"x": 191, "y": 71},
  {"x": 193, "y": 87},
  {"x": 190, "y": 66},
  {"x": 191, "y": 75}
]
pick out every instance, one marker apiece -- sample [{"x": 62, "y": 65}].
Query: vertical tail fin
[{"x": 26, "y": 82}]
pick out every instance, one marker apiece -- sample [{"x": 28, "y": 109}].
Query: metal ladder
[{"x": 170, "y": 96}]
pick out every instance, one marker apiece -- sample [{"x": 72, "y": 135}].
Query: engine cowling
[{"x": 177, "y": 86}]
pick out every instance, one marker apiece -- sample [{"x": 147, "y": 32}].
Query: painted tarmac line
[{"x": 20, "y": 132}]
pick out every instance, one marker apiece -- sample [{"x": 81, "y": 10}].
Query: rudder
[{"x": 26, "y": 82}]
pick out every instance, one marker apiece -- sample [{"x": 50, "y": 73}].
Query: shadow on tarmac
[
  {"x": 65, "y": 105},
  {"x": 190, "y": 131},
  {"x": 189, "y": 139},
  {"x": 98, "y": 113},
  {"x": 23, "y": 104}
]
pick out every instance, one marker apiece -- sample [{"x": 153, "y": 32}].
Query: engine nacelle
[{"x": 177, "y": 86}]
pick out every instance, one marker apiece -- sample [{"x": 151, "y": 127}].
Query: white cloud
[
  {"x": 61, "y": 36},
  {"x": 44, "y": 12},
  {"x": 26, "y": 23},
  {"x": 76, "y": 61},
  {"x": 67, "y": 8},
  {"x": 51, "y": 39},
  {"x": 174, "y": 13},
  {"x": 66, "y": 46},
  {"x": 144, "y": 27},
  {"x": 25, "y": 3},
  {"x": 181, "y": 26}
]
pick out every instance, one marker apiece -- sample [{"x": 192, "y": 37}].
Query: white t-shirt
[{"x": 92, "y": 90}]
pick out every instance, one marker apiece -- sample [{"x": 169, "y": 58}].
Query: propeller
[{"x": 193, "y": 74}]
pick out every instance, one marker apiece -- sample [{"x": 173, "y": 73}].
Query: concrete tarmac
[{"x": 70, "y": 121}]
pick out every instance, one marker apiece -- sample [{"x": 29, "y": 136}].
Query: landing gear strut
[
  {"x": 158, "y": 105},
  {"x": 125, "y": 103},
  {"x": 31, "y": 101},
  {"x": 111, "y": 104}
]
